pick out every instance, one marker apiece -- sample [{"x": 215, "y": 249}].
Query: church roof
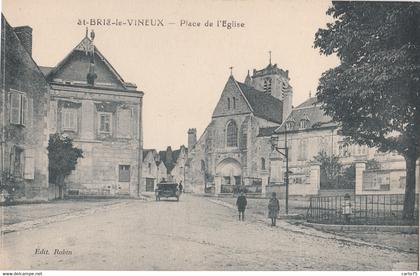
[
  {"x": 262, "y": 104},
  {"x": 311, "y": 112},
  {"x": 266, "y": 131}
]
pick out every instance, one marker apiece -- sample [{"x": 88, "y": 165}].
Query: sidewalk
[
  {"x": 25, "y": 216},
  {"x": 389, "y": 240}
]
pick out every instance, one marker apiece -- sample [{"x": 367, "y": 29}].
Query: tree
[
  {"x": 374, "y": 93},
  {"x": 62, "y": 158},
  {"x": 330, "y": 169}
]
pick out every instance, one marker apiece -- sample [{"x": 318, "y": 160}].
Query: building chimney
[
  {"x": 24, "y": 33},
  {"x": 192, "y": 138}
]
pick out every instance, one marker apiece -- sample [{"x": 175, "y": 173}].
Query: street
[{"x": 193, "y": 234}]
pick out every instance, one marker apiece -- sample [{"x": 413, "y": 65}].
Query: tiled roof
[
  {"x": 310, "y": 111},
  {"x": 266, "y": 131},
  {"x": 263, "y": 105}
]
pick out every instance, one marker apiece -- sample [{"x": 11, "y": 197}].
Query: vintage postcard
[{"x": 209, "y": 135}]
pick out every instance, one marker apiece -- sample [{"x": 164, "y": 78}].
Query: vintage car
[{"x": 167, "y": 189}]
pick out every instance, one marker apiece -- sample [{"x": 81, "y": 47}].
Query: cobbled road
[{"x": 192, "y": 234}]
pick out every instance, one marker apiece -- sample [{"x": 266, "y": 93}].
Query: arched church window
[
  {"x": 234, "y": 103},
  {"x": 228, "y": 101},
  {"x": 231, "y": 134}
]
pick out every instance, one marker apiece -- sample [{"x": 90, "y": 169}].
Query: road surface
[{"x": 192, "y": 234}]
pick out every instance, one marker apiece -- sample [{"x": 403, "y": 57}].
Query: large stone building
[
  {"x": 24, "y": 105},
  {"x": 91, "y": 103},
  {"x": 235, "y": 147},
  {"x": 309, "y": 132}
]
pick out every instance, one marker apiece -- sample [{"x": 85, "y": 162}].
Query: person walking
[
  {"x": 180, "y": 187},
  {"x": 241, "y": 204},
  {"x": 273, "y": 208}
]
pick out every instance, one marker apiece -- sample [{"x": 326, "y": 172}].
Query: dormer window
[
  {"x": 267, "y": 85},
  {"x": 290, "y": 125},
  {"x": 304, "y": 123}
]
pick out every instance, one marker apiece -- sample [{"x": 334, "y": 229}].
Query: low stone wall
[{"x": 405, "y": 229}]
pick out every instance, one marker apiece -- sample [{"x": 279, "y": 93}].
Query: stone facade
[
  {"x": 178, "y": 171},
  {"x": 310, "y": 132},
  {"x": 92, "y": 104},
  {"x": 24, "y": 105}
]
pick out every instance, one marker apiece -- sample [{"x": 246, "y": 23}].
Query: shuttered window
[
  {"x": 18, "y": 108},
  {"x": 29, "y": 164},
  {"x": 69, "y": 119}
]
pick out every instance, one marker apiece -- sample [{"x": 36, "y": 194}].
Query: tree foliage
[
  {"x": 330, "y": 165},
  {"x": 62, "y": 156},
  {"x": 375, "y": 91}
]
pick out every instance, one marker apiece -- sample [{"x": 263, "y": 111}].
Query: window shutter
[
  {"x": 15, "y": 108},
  {"x": 24, "y": 109},
  {"x": 29, "y": 163}
]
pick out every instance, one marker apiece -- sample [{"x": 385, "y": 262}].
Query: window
[
  {"x": 105, "y": 122},
  {"x": 267, "y": 85},
  {"x": 262, "y": 164},
  {"x": 302, "y": 150},
  {"x": 124, "y": 173},
  {"x": 18, "y": 108},
  {"x": 304, "y": 123},
  {"x": 228, "y": 103},
  {"x": 231, "y": 134},
  {"x": 203, "y": 166},
  {"x": 226, "y": 180},
  {"x": 234, "y": 103},
  {"x": 16, "y": 164},
  {"x": 290, "y": 125},
  {"x": 149, "y": 167},
  {"x": 69, "y": 119}
]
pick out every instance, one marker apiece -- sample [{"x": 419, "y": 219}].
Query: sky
[{"x": 181, "y": 68}]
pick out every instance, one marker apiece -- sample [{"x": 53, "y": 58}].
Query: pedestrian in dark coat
[
  {"x": 180, "y": 187},
  {"x": 241, "y": 204},
  {"x": 273, "y": 208}
]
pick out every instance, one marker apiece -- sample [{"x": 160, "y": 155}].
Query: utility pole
[{"x": 285, "y": 154}]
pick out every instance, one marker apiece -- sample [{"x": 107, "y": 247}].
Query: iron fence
[{"x": 364, "y": 210}]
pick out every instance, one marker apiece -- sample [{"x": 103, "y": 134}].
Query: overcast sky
[{"x": 182, "y": 70}]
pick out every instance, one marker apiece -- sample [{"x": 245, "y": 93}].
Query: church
[{"x": 235, "y": 148}]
